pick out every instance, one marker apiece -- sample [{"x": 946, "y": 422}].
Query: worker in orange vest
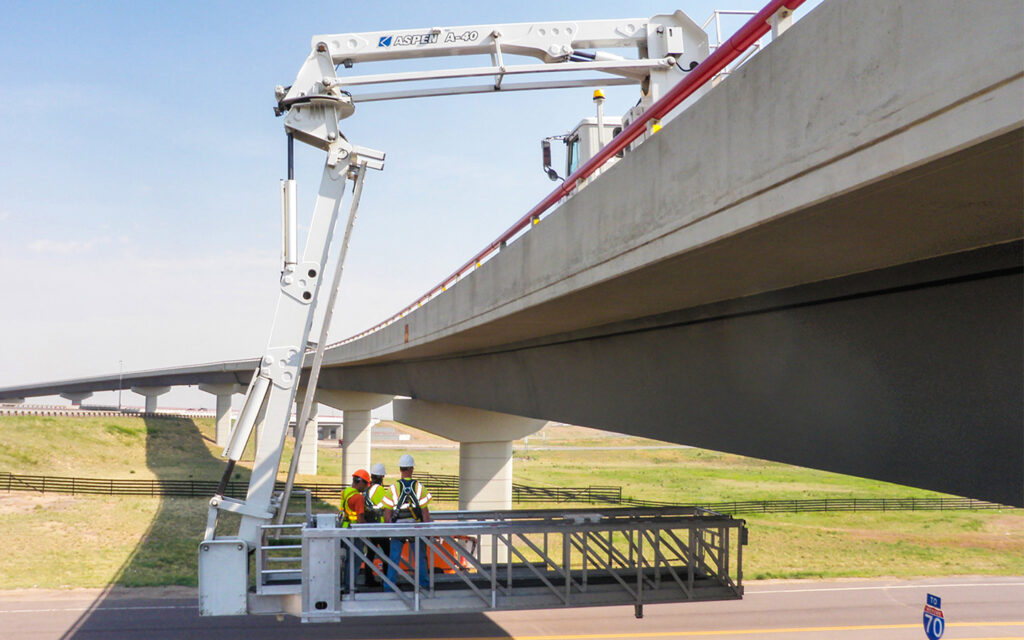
[
  {"x": 353, "y": 508},
  {"x": 353, "y": 505}
]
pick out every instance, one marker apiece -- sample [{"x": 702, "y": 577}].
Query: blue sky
[{"x": 139, "y": 210}]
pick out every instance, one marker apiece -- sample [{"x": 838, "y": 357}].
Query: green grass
[
  {"x": 105, "y": 447},
  {"x": 898, "y": 544},
  {"x": 696, "y": 476},
  {"x": 57, "y": 541}
]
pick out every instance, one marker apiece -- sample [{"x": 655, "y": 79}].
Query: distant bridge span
[{"x": 819, "y": 263}]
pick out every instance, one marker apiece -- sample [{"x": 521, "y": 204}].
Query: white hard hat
[
  {"x": 378, "y": 470},
  {"x": 406, "y": 461}
]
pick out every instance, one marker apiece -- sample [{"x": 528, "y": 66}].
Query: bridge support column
[
  {"x": 223, "y": 393},
  {"x": 485, "y": 450},
  {"x": 308, "y": 452},
  {"x": 485, "y": 476},
  {"x": 151, "y": 394},
  {"x": 355, "y": 431},
  {"x": 77, "y": 397}
]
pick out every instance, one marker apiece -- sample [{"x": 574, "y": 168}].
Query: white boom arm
[{"x": 666, "y": 46}]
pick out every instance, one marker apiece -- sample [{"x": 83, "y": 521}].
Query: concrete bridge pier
[
  {"x": 308, "y": 454},
  {"x": 223, "y": 393},
  {"x": 355, "y": 433},
  {"x": 151, "y": 394},
  {"x": 485, "y": 450},
  {"x": 76, "y": 398}
]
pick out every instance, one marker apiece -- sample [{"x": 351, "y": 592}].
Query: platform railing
[
  {"x": 716, "y": 20},
  {"x": 503, "y": 560}
]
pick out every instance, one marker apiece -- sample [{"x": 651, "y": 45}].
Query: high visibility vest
[
  {"x": 350, "y": 515},
  {"x": 373, "y": 498}
]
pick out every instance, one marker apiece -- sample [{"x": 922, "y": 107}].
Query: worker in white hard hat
[
  {"x": 407, "y": 498},
  {"x": 375, "y": 493},
  {"x": 373, "y": 497}
]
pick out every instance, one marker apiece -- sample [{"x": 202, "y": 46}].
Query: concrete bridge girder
[
  {"x": 912, "y": 376},
  {"x": 356, "y": 433}
]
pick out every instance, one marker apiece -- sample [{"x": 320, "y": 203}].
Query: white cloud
[
  {"x": 65, "y": 247},
  {"x": 5, "y": 215}
]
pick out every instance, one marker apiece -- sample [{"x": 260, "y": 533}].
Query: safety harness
[
  {"x": 407, "y": 496},
  {"x": 373, "y": 512}
]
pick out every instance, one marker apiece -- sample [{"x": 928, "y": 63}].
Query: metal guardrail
[
  {"x": 99, "y": 486},
  {"x": 502, "y": 560},
  {"x": 445, "y": 487},
  {"x": 749, "y": 507},
  {"x": 93, "y": 411},
  {"x": 441, "y": 487}
]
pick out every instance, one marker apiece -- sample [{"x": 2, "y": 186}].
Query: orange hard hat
[{"x": 362, "y": 473}]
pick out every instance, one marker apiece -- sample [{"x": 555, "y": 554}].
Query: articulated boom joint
[
  {"x": 300, "y": 280},
  {"x": 281, "y": 366}
]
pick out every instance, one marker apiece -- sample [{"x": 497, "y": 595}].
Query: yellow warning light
[
  {"x": 536, "y": 220},
  {"x": 655, "y": 125},
  {"x": 598, "y": 94}
]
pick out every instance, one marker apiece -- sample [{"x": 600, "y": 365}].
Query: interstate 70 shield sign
[{"x": 934, "y": 623}]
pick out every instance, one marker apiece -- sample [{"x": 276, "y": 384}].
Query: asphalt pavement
[{"x": 976, "y": 608}]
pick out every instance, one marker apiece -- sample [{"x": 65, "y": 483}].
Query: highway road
[{"x": 976, "y": 608}]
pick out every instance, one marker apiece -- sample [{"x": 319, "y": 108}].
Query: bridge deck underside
[{"x": 910, "y": 374}]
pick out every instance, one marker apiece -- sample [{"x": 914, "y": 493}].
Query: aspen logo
[
  {"x": 427, "y": 38},
  {"x": 407, "y": 40}
]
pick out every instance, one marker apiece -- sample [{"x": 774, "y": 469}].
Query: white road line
[
  {"x": 144, "y": 608},
  {"x": 748, "y": 592}
]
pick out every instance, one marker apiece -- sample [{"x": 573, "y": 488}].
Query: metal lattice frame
[{"x": 508, "y": 560}]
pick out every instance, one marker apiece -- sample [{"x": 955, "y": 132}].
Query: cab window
[{"x": 573, "y": 155}]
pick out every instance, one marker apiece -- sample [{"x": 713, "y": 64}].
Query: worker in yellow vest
[
  {"x": 353, "y": 504},
  {"x": 373, "y": 499},
  {"x": 353, "y": 508}
]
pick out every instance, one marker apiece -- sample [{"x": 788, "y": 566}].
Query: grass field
[{"x": 56, "y": 541}]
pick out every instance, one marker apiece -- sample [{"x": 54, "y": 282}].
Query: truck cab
[
  {"x": 587, "y": 139},
  {"x": 582, "y": 144}
]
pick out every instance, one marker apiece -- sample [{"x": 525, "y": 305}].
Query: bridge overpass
[{"x": 819, "y": 263}]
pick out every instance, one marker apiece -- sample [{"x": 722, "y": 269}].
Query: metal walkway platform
[{"x": 486, "y": 561}]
